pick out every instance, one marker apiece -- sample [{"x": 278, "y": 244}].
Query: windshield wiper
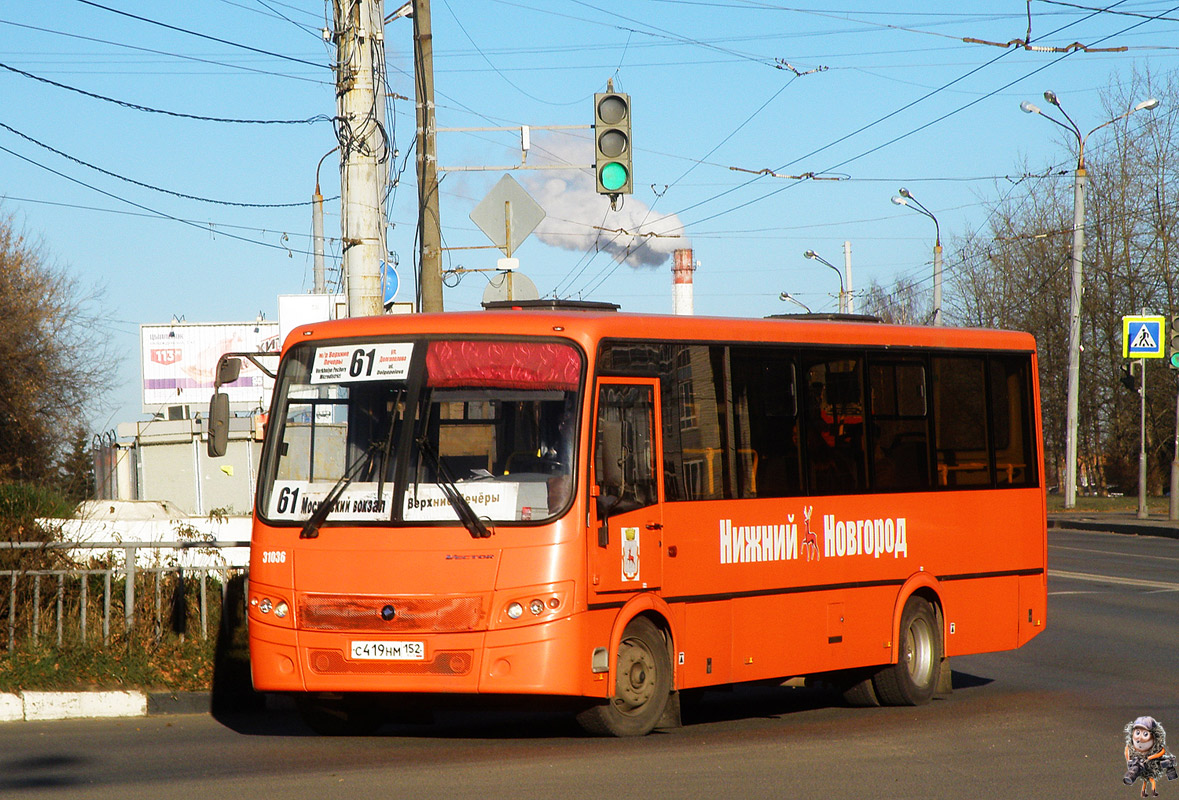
[
  {"x": 311, "y": 526},
  {"x": 461, "y": 507}
]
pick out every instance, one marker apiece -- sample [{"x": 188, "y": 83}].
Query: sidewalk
[{"x": 1114, "y": 522}]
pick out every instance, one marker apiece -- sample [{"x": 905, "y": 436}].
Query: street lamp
[
  {"x": 1074, "y": 321},
  {"x": 905, "y": 199},
  {"x": 811, "y": 254},
  {"x": 787, "y": 297}
]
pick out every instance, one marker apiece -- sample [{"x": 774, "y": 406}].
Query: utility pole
[
  {"x": 1076, "y": 287},
  {"x": 317, "y": 238},
  {"x": 1080, "y": 178},
  {"x": 849, "y": 305},
  {"x": 429, "y": 224},
  {"x": 364, "y": 149}
]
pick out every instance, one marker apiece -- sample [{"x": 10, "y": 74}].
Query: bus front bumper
[{"x": 541, "y": 659}]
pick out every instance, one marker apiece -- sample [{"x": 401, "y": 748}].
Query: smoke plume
[{"x": 578, "y": 218}]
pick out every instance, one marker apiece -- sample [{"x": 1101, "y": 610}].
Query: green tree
[
  {"x": 75, "y": 474},
  {"x": 57, "y": 362}
]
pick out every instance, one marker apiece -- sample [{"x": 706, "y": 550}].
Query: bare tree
[
  {"x": 1013, "y": 273},
  {"x": 905, "y": 302}
]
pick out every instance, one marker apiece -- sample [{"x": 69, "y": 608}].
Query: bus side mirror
[
  {"x": 219, "y": 424},
  {"x": 228, "y": 370}
]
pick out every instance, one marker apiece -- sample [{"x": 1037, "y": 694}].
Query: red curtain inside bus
[{"x": 511, "y": 365}]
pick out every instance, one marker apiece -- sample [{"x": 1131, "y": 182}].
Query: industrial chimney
[{"x": 682, "y": 268}]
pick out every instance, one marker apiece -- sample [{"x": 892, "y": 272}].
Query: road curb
[
  {"x": 1132, "y": 528},
  {"x": 82, "y": 705},
  {"x": 35, "y": 706}
]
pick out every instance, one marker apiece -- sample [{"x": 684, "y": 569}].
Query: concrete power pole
[
  {"x": 429, "y": 230},
  {"x": 364, "y": 149},
  {"x": 849, "y": 302}
]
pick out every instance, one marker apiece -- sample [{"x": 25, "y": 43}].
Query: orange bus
[{"x": 613, "y": 509}]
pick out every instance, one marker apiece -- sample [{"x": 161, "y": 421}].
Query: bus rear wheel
[
  {"x": 914, "y": 678},
  {"x": 642, "y": 688}
]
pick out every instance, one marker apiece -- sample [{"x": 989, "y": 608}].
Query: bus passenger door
[{"x": 626, "y": 533}]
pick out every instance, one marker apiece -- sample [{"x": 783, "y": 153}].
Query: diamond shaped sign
[{"x": 507, "y": 215}]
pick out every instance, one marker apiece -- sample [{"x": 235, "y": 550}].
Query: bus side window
[
  {"x": 900, "y": 426},
  {"x": 764, "y": 428},
  {"x": 960, "y": 417},
  {"x": 624, "y": 449},
  {"x": 1012, "y": 421},
  {"x": 835, "y": 454}
]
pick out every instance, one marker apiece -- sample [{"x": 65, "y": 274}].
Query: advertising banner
[{"x": 178, "y": 363}]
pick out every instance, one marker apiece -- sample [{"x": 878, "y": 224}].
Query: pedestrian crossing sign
[{"x": 1142, "y": 337}]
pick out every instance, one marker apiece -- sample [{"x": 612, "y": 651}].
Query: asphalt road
[{"x": 1044, "y": 721}]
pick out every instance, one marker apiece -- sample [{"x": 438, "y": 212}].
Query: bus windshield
[{"x": 385, "y": 430}]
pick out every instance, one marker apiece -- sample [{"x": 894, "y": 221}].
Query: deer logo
[{"x": 810, "y": 542}]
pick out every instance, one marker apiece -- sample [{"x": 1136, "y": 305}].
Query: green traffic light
[
  {"x": 1174, "y": 360},
  {"x": 613, "y": 176}
]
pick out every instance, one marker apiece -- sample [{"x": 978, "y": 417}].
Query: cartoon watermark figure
[{"x": 1147, "y": 758}]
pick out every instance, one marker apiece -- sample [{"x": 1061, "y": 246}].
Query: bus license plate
[{"x": 389, "y": 651}]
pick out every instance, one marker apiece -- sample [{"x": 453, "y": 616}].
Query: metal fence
[{"x": 64, "y": 595}]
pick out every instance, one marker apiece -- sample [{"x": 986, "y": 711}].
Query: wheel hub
[{"x": 636, "y": 666}]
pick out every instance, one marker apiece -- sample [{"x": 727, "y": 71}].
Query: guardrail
[{"x": 131, "y": 575}]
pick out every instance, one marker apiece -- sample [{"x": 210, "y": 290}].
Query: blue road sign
[
  {"x": 389, "y": 280},
  {"x": 1142, "y": 337}
]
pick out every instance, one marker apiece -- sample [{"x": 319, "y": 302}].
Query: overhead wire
[
  {"x": 217, "y": 39},
  {"x": 884, "y": 118},
  {"x": 143, "y": 185},
  {"x": 155, "y": 212},
  {"x": 140, "y": 49},
  {"x": 497, "y": 70},
  {"x": 149, "y": 109}
]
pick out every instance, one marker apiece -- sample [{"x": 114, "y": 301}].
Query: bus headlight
[
  {"x": 273, "y": 608},
  {"x": 529, "y": 605}
]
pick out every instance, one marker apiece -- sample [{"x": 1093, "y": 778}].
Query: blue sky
[{"x": 879, "y": 97}]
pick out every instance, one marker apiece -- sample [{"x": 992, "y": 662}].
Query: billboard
[{"x": 178, "y": 363}]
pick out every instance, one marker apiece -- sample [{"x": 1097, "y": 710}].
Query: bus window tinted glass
[
  {"x": 1011, "y": 409},
  {"x": 624, "y": 449},
  {"x": 900, "y": 428},
  {"x": 835, "y": 451},
  {"x": 960, "y": 414},
  {"x": 765, "y": 424}
]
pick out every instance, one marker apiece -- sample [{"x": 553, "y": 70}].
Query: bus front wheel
[
  {"x": 914, "y": 678},
  {"x": 642, "y": 688}
]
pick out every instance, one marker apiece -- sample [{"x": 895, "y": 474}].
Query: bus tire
[
  {"x": 914, "y": 678},
  {"x": 642, "y": 687},
  {"x": 338, "y": 716},
  {"x": 858, "y": 690}
]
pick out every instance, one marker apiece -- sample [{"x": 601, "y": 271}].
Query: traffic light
[
  {"x": 1128, "y": 378},
  {"x": 612, "y": 160},
  {"x": 1173, "y": 344}
]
